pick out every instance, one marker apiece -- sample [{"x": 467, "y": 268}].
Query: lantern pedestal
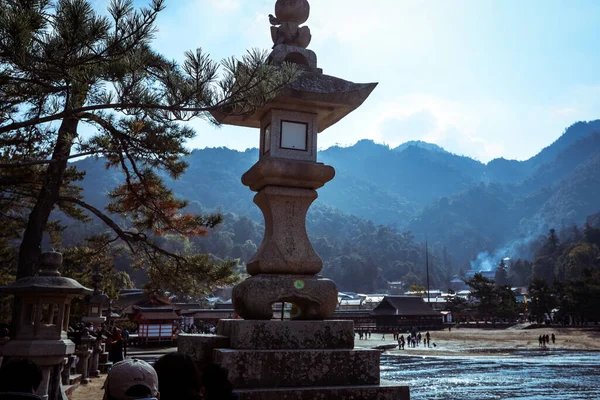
[
  {"x": 297, "y": 360},
  {"x": 84, "y": 351},
  {"x": 49, "y": 355}
]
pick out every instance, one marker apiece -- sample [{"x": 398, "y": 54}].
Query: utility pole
[{"x": 427, "y": 267}]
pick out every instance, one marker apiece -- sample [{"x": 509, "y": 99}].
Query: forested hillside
[{"x": 361, "y": 222}]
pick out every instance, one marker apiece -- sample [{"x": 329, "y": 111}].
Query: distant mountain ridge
[
  {"x": 419, "y": 143},
  {"x": 460, "y": 203}
]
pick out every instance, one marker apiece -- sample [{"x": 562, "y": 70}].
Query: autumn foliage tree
[{"x": 64, "y": 67}]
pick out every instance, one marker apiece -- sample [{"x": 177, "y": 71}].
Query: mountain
[
  {"x": 419, "y": 143},
  {"x": 459, "y": 203},
  {"x": 417, "y": 174},
  {"x": 571, "y": 135},
  {"x": 506, "y": 171}
]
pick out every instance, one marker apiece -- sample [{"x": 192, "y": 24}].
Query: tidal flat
[
  {"x": 530, "y": 375},
  {"x": 482, "y": 364}
]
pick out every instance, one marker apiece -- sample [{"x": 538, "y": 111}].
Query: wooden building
[
  {"x": 363, "y": 320},
  {"x": 156, "y": 324},
  {"x": 405, "y": 312}
]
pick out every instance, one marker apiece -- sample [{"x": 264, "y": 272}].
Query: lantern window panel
[
  {"x": 30, "y": 313},
  {"x": 294, "y": 135},
  {"x": 267, "y": 140},
  {"x": 49, "y": 314}
]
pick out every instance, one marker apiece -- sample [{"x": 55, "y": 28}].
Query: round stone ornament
[{"x": 296, "y": 11}]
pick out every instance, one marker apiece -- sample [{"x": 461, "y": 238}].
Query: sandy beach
[{"x": 486, "y": 342}]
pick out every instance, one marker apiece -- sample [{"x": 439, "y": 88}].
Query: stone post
[
  {"x": 43, "y": 315},
  {"x": 84, "y": 352},
  {"x": 94, "y": 370}
]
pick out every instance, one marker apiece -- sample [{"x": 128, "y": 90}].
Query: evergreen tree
[
  {"x": 542, "y": 300},
  {"x": 501, "y": 276},
  {"x": 552, "y": 242},
  {"x": 484, "y": 292},
  {"x": 507, "y": 307},
  {"x": 62, "y": 67}
]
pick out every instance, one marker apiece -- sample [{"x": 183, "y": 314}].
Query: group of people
[
  {"x": 174, "y": 376},
  {"x": 544, "y": 340},
  {"x": 414, "y": 340},
  {"x": 364, "y": 335},
  {"x": 202, "y": 328}
]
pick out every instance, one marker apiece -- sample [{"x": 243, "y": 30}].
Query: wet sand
[{"x": 486, "y": 342}]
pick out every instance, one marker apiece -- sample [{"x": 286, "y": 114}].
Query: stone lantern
[
  {"x": 43, "y": 317},
  {"x": 89, "y": 364},
  {"x": 307, "y": 357},
  {"x": 95, "y": 301}
]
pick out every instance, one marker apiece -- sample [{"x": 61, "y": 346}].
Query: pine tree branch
[
  {"x": 128, "y": 237},
  {"x": 20, "y": 164},
  {"x": 225, "y": 103},
  {"x": 50, "y": 88},
  {"x": 98, "y": 107}
]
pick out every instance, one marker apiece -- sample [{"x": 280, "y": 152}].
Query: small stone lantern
[
  {"x": 90, "y": 362},
  {"x": 95, "y": 301},
  {"x": 43, "y": 318},
  {"x": 287, "y": 174}
]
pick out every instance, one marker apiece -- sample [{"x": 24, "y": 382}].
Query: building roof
[
  {"x": 214, "y": 314},
  {"x": 350, "y": 302},
  {"x": 350, "y": 314},
  {"x": 404, "y": 305},
  {"x": 146, "y": 316}
]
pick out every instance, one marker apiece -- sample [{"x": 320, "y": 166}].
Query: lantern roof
[
  {"x": 330, "y": 98},
  {"x": 48, "y": 281},
  {"x": 97, "y": 297}
]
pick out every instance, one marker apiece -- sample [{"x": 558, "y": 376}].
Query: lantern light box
[{"x": 289, "y": 134}]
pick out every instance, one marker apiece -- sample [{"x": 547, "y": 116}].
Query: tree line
[{"x": 563, "y": 282}]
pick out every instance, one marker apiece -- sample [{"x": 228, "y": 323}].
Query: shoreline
[{"x": 489, "y": 342}]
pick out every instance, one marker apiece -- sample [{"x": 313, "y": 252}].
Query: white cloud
[{"x": 225, "y": 5}]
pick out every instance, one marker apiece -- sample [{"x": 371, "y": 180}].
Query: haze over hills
[{"x": 462, "y": 204}]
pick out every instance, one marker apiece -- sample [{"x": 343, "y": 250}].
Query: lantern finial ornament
[{"x": 286, "y": 29}]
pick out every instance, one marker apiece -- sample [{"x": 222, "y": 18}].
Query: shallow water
[{"x": 525, "y": 375}]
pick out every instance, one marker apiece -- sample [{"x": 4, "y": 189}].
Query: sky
[{"x": 481, "y": 78}]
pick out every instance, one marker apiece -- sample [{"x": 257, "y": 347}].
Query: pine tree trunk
[{"x": 30, "y": 250}]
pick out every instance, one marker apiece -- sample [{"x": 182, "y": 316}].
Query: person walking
[{"x": 115, "y": 353}]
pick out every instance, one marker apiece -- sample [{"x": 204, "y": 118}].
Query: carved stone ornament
[{"x": 286, "y": 29}]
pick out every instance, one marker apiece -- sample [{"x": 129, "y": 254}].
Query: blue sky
[{"x": 483, "y": 78}]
